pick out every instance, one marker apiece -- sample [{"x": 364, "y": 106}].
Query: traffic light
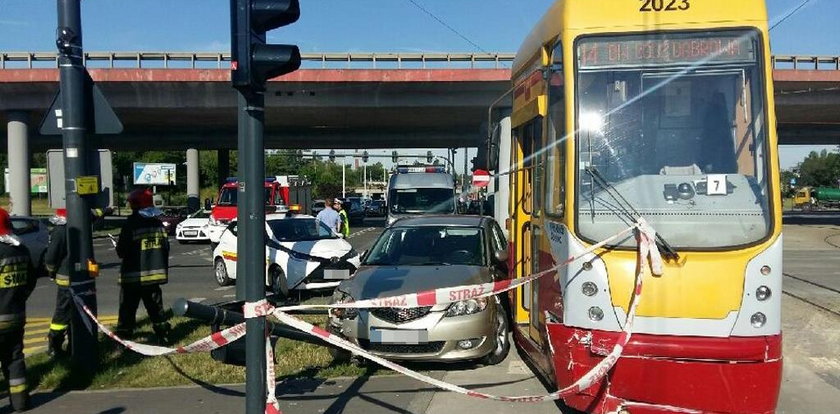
[
  {"x": 332, "y": 155},
  {"x": 253, "y": 62},
  {"x": 394, "y": 157},
  {"x": 365, "y": 156},
  {"x": 429, "y": 157}
]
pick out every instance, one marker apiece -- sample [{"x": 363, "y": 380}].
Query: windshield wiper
[
  {"x": 627, "y": 208},
  {"x": 430, "y": 264}
]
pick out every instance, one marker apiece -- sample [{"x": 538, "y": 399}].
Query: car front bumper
[{"x": 440, "y": 344}]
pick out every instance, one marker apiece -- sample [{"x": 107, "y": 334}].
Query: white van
[{"x": 420, "y": 190}]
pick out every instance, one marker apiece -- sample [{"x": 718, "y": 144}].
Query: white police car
[{"x": 301, "y": 254}]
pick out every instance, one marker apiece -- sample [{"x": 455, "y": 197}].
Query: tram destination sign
[{"x": 636, "y": 51}]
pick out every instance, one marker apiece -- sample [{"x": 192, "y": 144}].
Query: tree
[{"x": 821, "y": 169}]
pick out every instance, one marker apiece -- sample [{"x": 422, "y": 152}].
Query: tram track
[{"x": 834, "y": 293}]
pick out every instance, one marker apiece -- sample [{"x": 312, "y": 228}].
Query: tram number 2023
[{"x": 664, "y": 5}]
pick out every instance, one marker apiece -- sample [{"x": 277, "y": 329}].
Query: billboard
[
  {"x": 37, "y": 181},
  {"x": 154, "y": 173}
]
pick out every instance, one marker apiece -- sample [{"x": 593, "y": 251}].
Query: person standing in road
[
  {"x": 330, "y": 216},
  {"x": 345, "y": 221},
  {"x": 58, "y": 270},
  {"x": 143, "y": 247},
  {"x": 17, "y": 280}
]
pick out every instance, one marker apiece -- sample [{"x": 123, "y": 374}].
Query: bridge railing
[
  {"x": 221, "y": 60},
  {"x": 218, "y": 60},
  {"x": 806, "y": 62}
]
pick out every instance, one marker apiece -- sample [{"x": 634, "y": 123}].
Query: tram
[{"x": 661, "y": 109}]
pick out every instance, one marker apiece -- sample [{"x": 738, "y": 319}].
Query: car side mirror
[
  {"x": 501, "y": 256},
  {"x": 207, "y": 204}
]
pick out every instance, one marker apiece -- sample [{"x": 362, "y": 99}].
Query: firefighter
[
  {"x": 58, "y": 269},
  {"x": 143, "y": 247},
  {"x": 17, "y": 279}
]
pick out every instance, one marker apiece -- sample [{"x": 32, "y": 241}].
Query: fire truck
[{"x": 280, "y": 192}]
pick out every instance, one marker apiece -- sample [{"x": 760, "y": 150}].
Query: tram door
[{"x": 527, "y": 139}]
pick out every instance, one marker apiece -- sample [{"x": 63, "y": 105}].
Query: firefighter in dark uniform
[
  {"x": 143, "y": 247},
  {"x": 58, "y": 269},
  {"x": 17, "y": 279}
]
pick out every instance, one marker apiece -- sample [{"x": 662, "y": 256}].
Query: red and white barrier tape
[
  {"x": 206, "y": 344},
  {"x": 458, "y": 293},
  {"x": 262, "y": 308}
]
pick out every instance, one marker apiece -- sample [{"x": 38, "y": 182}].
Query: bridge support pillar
[
  {"x": 193, "y": 181},
  {"x": 223, "y": 158},
  {"x": 20, "y": 199}
]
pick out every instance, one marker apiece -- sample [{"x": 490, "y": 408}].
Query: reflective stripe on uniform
[
  {"x": 62, "y": 280},
  {"x": 149, "y": 232},
  {"x": 58, "y": 326},
  {"x": 12, "y": 321},
  {"x": 144, "y": 277}
]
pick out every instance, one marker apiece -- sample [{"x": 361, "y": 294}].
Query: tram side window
[{"x": 556, "y": 154}]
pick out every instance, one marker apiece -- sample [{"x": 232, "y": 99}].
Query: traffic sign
[{"x": 481, "y": 178}]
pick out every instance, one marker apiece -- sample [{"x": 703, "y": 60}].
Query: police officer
[
  {"x": 17, "y": 279},
  {"x": 345, "y": 221},
  {"x": 58, "y": 269},
  {"x": 143, "y": 247}
]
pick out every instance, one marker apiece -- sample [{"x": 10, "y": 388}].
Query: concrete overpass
[{"x": 184, "y": 100}]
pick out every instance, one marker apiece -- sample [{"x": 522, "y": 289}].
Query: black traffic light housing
[
  {"x": 429, "y": 157},
  {"x": 253, "y": 62},
  {"x": 394, "y": 157},
  {"x": 365, "y": 156},
  {"x": 332, "y": 155}
]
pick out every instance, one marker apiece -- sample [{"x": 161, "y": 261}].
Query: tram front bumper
[{"x": 659, "y": 373}]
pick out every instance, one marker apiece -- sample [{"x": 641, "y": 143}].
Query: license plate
[
  {"x": 190, "y": 233},
  {"x": 399, "y": 336},
  {"x": 336, "y": 274}
]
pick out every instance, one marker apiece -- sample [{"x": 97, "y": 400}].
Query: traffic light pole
[
  {"x": 251, "y": 244},
  {"x": 74, "y": 131}
]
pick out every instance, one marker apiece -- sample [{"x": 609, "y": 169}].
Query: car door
[{"x": 227, "y": 246}]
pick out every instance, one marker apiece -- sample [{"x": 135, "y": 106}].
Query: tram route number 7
[{"x": 664, "y": 5}]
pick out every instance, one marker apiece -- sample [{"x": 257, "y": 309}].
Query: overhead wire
[
  {"x": 439, "y": 20},
  {"x": 792, "y": 12}
]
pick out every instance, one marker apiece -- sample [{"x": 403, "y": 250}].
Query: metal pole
[
  {"x": 365, "y": 177},
  {"x": 343, "y": 179},
  {"x": 251, "y": 242},
  {"x": 84, "y": 351}
]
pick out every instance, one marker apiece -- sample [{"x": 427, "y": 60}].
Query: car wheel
[
  {"x": 221, "y": 273},
  {"x": 279, "y": 284},
  {"x": 501, "y": 338}
]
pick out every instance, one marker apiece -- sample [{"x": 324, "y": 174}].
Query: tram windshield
[{"x": 672, "y": 126}]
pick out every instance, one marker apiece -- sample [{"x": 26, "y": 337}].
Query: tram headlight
[
  {"x": 758, "y": 320},
  {"x": 765, "y": 270},
  {"x": 596, "y": 314},
  {"x": 763, "y": 293},
  {"x": 589, "y": 288}
]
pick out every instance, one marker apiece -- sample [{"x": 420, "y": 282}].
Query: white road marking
[
  {"x": 197, "y": 300},
  {"x": 221, "y": 288},
  {"x": 229, "y": 296}
]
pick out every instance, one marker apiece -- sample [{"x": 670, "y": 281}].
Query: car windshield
[
  {"x": 428, "y": 246},
  {"x": 679, "y": 133},
  {"x": 422, "y": 200},
  {"x": 229, "y": 195},
  {"x": 201, "y": 214},
  {"x": 300, "y": 229},
  {"x": 318, "y": 204}
]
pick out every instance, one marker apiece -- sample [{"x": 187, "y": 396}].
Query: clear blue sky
[{"x": 357, "y": 25}]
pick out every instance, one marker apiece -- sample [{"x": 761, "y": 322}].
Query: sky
[{"x": 407, "y": 26}]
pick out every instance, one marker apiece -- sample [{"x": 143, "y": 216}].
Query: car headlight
[
  {"x": 166, "y": 224},
  {"x": 299, "y": 255},
  {"x": 342, "y": 313},
  {"x": 467, "y": 307}
]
